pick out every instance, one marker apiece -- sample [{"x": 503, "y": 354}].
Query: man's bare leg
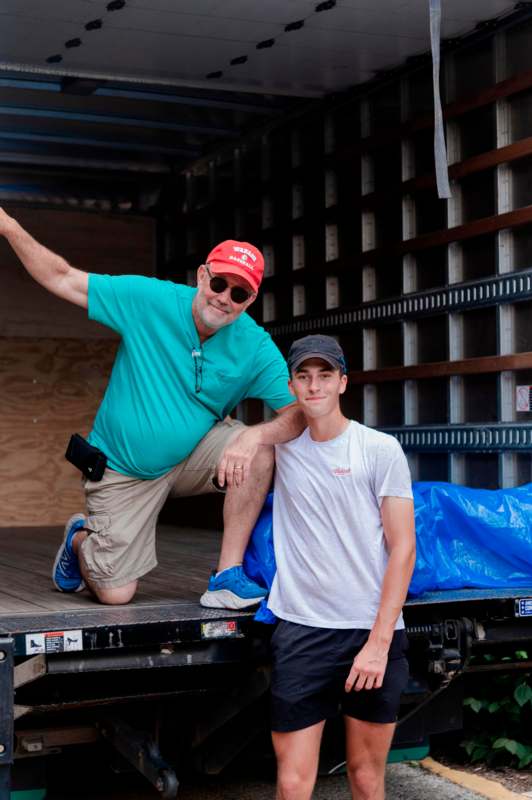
[
  {"x": 297, "y": 756},
  {"x": 367, "y": 748},
  {"x": 242, "y": 506},
  {"x": 116, "y": 596}
]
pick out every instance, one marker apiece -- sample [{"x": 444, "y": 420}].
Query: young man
[
  {"x": 187, "y": 357},
  {"x": 345, "y": 549}
]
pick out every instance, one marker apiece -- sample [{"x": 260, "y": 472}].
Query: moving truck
[{"x": 133, "y": 137}]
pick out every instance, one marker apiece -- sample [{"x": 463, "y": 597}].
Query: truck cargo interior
[{"x": 135, "y": 135}]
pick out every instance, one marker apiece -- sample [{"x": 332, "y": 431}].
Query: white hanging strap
[{"x": 440, "y": 151}]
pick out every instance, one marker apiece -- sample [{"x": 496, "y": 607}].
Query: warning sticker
[
  {"x": 53, "y": 642},
  {"x": 523, "y": 396},
  {"x": 73, "y": 641},
  {"x": 219, "y": 629},
  {"x": 524, "y": 607},
  {"x": 34, "y": 643}
]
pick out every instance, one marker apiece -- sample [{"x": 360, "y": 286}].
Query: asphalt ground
[
  {"x": 406, "y": 781},
  {"x": 403, "y": 782}
]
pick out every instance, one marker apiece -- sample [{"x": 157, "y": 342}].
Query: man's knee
[
  {"x": 116, "y": 596},
  {"x": 293, "y": 785},
  {"x": 365, "y": 779}
]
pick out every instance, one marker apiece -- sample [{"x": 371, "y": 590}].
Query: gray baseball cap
[{"x": 316, "y": 346}]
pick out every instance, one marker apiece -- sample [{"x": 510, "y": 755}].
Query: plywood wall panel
[{"x": 49, "y": 389}]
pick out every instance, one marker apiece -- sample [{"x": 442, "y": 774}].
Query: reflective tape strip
[{"x": 440, "y": 151}]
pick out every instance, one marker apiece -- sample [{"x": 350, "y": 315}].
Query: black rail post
[{"x": 6, "y": 715}]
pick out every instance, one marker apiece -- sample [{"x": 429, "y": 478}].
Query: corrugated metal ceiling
[{"x": 150, "y": 85}]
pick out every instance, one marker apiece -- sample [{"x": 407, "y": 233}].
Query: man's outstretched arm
[
  {"x": 288, "y": 424},
  {"x": 47, "y": 268},
  {"x": 369, "y": 666}
]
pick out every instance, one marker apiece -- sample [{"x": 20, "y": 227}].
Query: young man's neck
[{"x": 322, "y": 429}]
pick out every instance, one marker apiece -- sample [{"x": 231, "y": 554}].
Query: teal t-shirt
[{"x": 151, "y": 416}]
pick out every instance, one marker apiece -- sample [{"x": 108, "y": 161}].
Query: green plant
[{"x": 498, "y": 716}]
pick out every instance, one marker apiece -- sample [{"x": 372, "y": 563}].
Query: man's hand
[
  {"x": 368, "y": 668},
  {"x": 5, "y": 222},
  {"x": 235, "y": 463}
]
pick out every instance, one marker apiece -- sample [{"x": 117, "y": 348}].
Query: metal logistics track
[
  {"x": 470, "y": 438},
  {"x": 510, "y": 288}
]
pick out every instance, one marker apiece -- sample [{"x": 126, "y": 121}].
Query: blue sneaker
[
  {"x": 232, "y": 589},
  {"x": 66, "y": 575}
]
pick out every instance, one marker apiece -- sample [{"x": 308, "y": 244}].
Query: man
[
  {"x": 186, "y": 359},
  {"x": 345, "y": 548}
]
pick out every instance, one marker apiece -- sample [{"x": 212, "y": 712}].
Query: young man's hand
[
  {"x": 235, "y": 463},
  {"x": 368, "y": 668}
]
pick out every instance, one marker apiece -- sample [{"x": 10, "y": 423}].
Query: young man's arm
[
  {"x": 48, "y": 269},
  {"x": 369, "y": 666},
  {"x": 288, "y": 424}
]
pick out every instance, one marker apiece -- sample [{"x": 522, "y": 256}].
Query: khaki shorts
[{"x": 122, "y": 511}]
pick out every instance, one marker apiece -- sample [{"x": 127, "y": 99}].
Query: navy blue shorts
[{"x": 310, "y": 667}]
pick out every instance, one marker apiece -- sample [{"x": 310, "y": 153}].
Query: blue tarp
[
  {"x": 475, "y": 538},
  {"x": 259, "y": 558}
]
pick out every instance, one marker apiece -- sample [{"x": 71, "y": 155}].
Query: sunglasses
[{"x": 219, "y": 285}]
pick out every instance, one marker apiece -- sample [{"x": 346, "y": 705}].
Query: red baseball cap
[{"x": 238, "y": 258}]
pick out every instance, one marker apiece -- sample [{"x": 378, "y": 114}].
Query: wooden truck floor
[
  {"x": 166, "y": 607},
  {"x": 186, "y": 557}
]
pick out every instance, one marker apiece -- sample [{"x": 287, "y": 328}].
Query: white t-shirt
[{"x": 328, "y": 536}]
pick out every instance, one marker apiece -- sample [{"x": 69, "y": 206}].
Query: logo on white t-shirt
[{"x": 341, "y": 471}]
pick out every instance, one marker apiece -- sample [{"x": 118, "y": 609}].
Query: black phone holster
[{"x": 91, "y": 461}]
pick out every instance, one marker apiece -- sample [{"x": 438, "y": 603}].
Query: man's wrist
[
  {"x": 258, "y": 432},
  {"x": 9, "y": 227},
  {"x": 381, "y": 641},
  {"x": 253, "y": 432}
]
